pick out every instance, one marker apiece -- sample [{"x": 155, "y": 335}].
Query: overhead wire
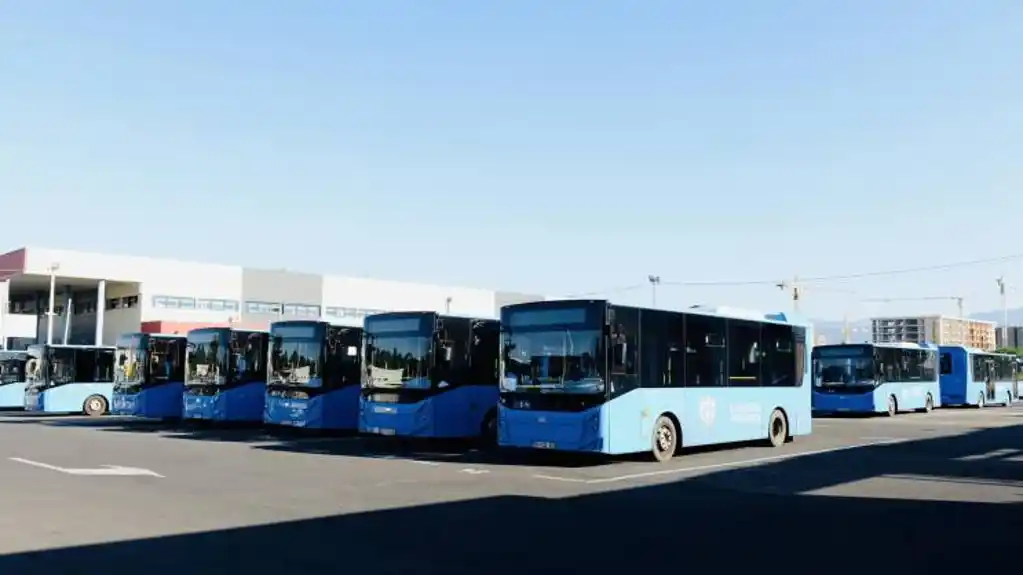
[{"x": 811, "y": 279}]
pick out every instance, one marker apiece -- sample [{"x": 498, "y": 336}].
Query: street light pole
[
  {"x": 1005, "y": 311},
  {"x": 53, "y": 296},
  {"x": 654, "y": 282}
]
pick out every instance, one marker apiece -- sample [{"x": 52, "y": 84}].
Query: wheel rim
[
  {"x": 665, "y": 438},
  {"x": 891, "y": 406},
  {"x": 777, "y": 428},
  {"x": 95, "y": 405}
]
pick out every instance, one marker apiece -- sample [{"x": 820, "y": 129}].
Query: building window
[
  {"x": 173, "y": 302},
  {"x": 214, "y": 304},
  {"x": 354, "y": 313},
  {"x": 263, "y": 307},
  {"x": 302, "y": 310}
]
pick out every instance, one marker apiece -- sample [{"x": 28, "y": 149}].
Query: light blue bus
[
  {"x": 12, "y": 379},
  {"x": 976, "y": 377},
  {"x": 225, "y": 375},
  {"x": 314, "y": 374},
  {"x": 875, "y": 378},
  {"x": 149, "y": 379},
  {"x": 69, "y": 379},
  {"x": 430, "y": 375},
  {"x": 591, "y": 376}
]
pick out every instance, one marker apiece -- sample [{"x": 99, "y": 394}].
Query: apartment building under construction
[{"x": 935, "y": 329}]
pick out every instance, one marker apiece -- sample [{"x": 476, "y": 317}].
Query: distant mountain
[{"x": 1015, "y": 316}]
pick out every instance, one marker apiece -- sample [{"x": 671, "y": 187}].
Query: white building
[
  {"x": 936, "y": 329},
  {"x": 105, "y": 295}
]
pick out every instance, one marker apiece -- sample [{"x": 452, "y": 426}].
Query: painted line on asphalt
[{"x": 741, "y": 463}]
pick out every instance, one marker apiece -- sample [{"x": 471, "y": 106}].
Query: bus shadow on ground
[
  {"x": 467, "y": 452},
  {"x": 722, "y": 520}
]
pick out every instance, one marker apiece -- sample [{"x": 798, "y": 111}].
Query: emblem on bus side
[{"x": 708, "y": 410}]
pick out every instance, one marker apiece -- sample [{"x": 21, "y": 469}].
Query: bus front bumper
[
  {"x": 843, "y": 402},
  {"x": 562, "y": 431},
  {"x": 402, "y": 419}
]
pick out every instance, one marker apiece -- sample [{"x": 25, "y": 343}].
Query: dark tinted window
[
  {"x": 779, "y": 363},
  {"x": 744, "y": 353},
  {"x": 706, "y": 352},
  {"x": 946, "y": 363}
]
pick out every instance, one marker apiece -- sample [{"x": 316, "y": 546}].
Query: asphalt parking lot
[{"x": 92, "y": 496}]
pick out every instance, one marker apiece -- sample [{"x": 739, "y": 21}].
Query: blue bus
[
  {"x": 149, "y": 379},
  {"x": 976, "y": 377},
  {"x": 875, "y": 378},
  {"x": 69, "y": 379},
  {"x": 314, "y": 375},
  {"x": 225, "y": 374},
  {"x": 12, "y": 379},
  {"x": 430, "y": 375},
  {"x": 591, "y": 376}
]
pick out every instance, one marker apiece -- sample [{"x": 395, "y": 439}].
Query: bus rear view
[
  {"x": 149, "y": 380},
  {"x": 875, "y": 378},
  {"x": 977, "y": 378},
  {"x": 225, "y": 379},
  {"x": 12, "y": 379},
  {"x": 314, "y": 375},
  {"x": 70, "y": 379},
  {"x": 429, "y": 375}
]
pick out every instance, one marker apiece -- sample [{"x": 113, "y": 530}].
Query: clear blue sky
[{"x": 535, "y": 145}]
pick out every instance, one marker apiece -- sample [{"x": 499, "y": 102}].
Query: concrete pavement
[{"x": 244, "y": 501}]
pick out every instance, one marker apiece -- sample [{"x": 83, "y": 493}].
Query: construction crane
[{"x": 957, "y": 299}]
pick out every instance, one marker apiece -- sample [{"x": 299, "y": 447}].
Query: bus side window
[
  {"x": 946, "y": 363},
  {"x": 780, "y": 361},
  {"x": 104, "y": 359}
]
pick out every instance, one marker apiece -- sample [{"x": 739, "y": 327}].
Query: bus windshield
[
  {"x": 207, "y": 358},
  {"x": 296, "y": 358},
  {"x": 129, "y": 360},
  {"x": 398, "y": 361},
  {"x": 557, "y": 360},
  {"x": 843, "y": 367},
  {"x": 12, "y": 370}
]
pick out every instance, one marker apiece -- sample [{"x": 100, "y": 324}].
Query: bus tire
[
  {"x": 893, "y": 406},
  {"x": 981, "y": 401},
  {"x": 664, "y": 442},
  {"x": 488, "y": 429},
  {"x": 1008, "y": 399},
  {"x": 777, "y": 429},
  {"x": 95, "y": 406},
  {"x": 928, "y": 404}
]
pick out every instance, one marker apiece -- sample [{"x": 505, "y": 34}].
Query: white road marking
[
  {"x": 473, "y": 471},
  {"x": 712, "y": 466},
  {"x": 107, "y": 470}
]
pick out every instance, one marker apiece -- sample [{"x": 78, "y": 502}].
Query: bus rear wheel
[
  {"x": 928, "y": 404},
  {"x": 488, "y": 430},
  {"x": 665, "y": 439},
  {"x": 893, "y": 406},
  {"x": 777, "y": 429},
  {"x": 981, "y": 401},
  {"x": 95, "y": 406}
]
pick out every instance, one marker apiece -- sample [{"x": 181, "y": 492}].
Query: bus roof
[
  {"x": 975, "y": 350},
  {"x": 71, "y": 346},
  {"x": 725, "y": 312},
  {"x": 888, "y": 344}
]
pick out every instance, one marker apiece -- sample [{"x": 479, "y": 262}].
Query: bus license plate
[
  {"x": 386, "y": 431},
  {"x": 543, "y": 444}
]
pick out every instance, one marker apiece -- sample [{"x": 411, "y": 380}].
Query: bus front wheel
[
  {"x": 665, "y": 439},
  {"x": 95, "y": 406},
  {"x": 893, "y": 406},
  {"x": 778, "y": 429},
  {"x": 488, "y": 430}
]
